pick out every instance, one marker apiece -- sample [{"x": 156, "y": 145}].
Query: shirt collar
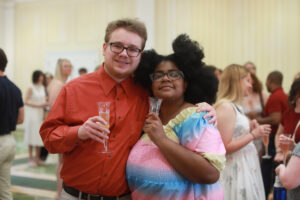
[
  {"x": 109, "y": 83},
  {"x": 277, "y": 89}
]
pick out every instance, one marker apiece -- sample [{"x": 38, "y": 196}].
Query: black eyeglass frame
[
  {"x": 151, "y": 76},
  {"x": 126, "y": 48}
]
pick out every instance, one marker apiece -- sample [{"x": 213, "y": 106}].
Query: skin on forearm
[
  {"x": 289, "y": 176},
  {"x": 190, "y": 164},
  {"x": 273, "y": 119},
  {"x": 237, "y": 144}
]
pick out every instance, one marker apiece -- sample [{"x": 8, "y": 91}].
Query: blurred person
[
  {"x": 297, "y": 76},
  {"x": 35, "y": 102},
  {"x": 253, "y": 106},
  {"x": 241, "y": 178},
  {"x": 82, "y": 71},
  {"x": 62, "y": 72},
  {"x": 215, "y": 70},
  {"x": 290, "y": 121},
  {"x": 251, "y": 67},
  {"x": 289, "y": 175},
  {"x": 180, "y": 156},
  {"x": 75, "y": 129},
  {"x": 12, "y": 113},
  {"x": 276, "y": 105},
  {"x": 48, "y": 77}
]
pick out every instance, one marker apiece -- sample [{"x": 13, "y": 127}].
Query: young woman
[
  {"x": 241, "y": 178},
  {"x": 35, "y": 102},
  {"x": 290, "y": 122},
  {"x": 62, "y": 72},
  {"x": 181, "y": 154}
]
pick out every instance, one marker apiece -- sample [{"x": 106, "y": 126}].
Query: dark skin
[
  {"x": 186, "y": 162},
  {"x": 275, "y": 117}
]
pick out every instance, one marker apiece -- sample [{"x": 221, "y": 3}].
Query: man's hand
[
  {"x": 93, "y": 128},
  {"x": 205, "y": 107}
]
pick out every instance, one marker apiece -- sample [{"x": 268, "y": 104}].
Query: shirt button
[
  {"x": 110, "y": 155},
  {"x": 105, "y": 174},
  {"x": 118, "y": 98},
  {"x": 119, "y": 117},
  {"x": 114, "y": 136}
]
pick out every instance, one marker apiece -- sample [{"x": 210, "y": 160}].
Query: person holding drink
[
  {"x": 288, "y": 133},
  {"x": 75, "y": 129},
  {"x": 241, "y": 178},
  {"x": 180, "y": 156}
]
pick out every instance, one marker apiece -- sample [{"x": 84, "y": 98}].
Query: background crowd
[{"x": 257, "y": 131}]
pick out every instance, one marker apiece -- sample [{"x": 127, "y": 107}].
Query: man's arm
[
  {"x": 20, "y": 115},
  {"x": 273, "y": 119}
]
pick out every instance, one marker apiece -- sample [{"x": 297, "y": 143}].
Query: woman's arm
[
  {"x": 279, "y": 155},
  {"x": 289, "y": 176},
  {"x": 226, "y": 121},
  {"x": 190, "y": 164}
]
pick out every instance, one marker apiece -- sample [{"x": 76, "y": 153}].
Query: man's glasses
[
  {"x": 119, "y": 48},
  {"x": 172, "y": 75}
]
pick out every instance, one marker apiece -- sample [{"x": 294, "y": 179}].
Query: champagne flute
[
  {"x": 154, "y": 104},
  {"x": 104, "y": 113},
  {"x": 266, "y": 144},
  {"x": 285, "y": 145}
]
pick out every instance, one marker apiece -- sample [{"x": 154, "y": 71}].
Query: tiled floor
[{"x": 31, "y": 183}]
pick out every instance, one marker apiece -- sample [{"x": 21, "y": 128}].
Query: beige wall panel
[
  {"x": 61, "y": 25},
  {"x": 235, "y": 31}
]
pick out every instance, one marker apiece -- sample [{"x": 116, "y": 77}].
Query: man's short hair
[
  {"x": 3, "y": 60},
  {"x": 275, "y": 77},
  {"x": 132, "y": 25},
  {"x": 82, "y": 70}
]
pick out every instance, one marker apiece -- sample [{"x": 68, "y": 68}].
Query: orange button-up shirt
[{"x": 84, "y": 167}]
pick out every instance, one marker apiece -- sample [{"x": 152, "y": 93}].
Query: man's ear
[{"x": 104, "y": 48}]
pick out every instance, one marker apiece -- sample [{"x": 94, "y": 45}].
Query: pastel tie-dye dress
[{"x": 149, "y": 174}]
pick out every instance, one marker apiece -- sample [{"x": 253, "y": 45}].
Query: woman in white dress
[
  {"x": 35, "y": 102},
  {"x": 241, "y": 178}
]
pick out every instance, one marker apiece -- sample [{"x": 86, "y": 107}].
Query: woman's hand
[
  {"x": 278, "y": 157},
  {"x": 284, "y": 140},
  {"x": 153, "y": 127},
  {"x": 253, "y": 124},
  {"x": 205, "y": 107},
  {"x": 261, "y": 130}
]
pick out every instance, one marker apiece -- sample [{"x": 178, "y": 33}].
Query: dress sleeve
[
  {"x": 196, "y": 134},
  {"x": 296, "y": 151}
]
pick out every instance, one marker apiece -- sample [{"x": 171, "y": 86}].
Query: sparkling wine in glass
[
  {"x": 154, "y": 104},
  {"x": 266, "y": 144},
  {"x": 104, "y": 113},
  {"x": 285, "y": 145}
]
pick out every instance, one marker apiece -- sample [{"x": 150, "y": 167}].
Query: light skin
[
  {"x": 119, "y": 67},
  {"x": 190, "y": 164},
  {"x": 226, "y": 123},
  {"x": 289, "y": 175},
  {"x": 280, "y": 138}
]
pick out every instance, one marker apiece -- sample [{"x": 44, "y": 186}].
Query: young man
[
  {"x": 12, "y": 113},
  {"x": 74, "y": 129}
]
